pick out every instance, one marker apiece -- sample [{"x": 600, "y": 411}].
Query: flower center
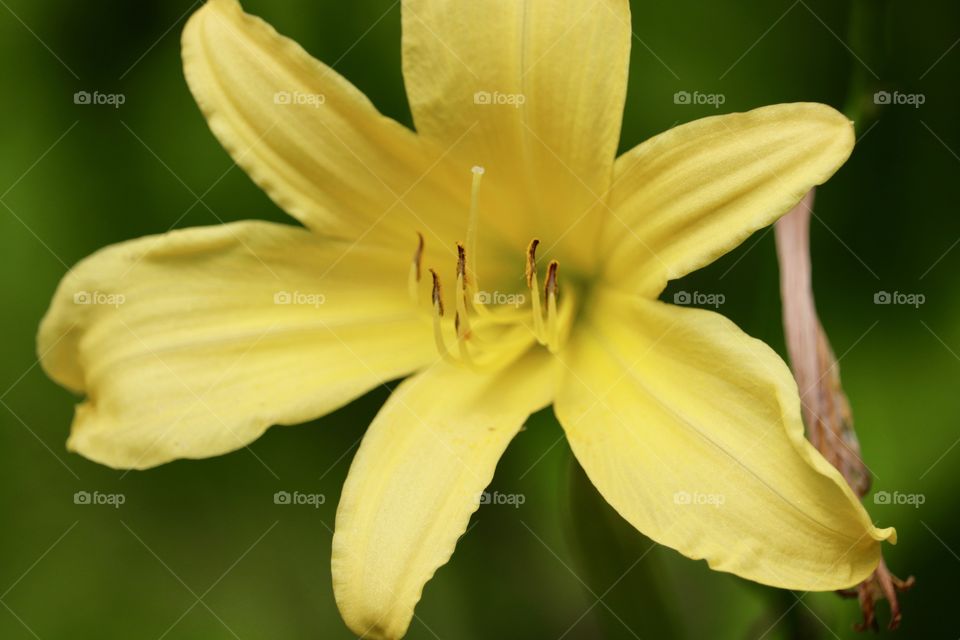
[{"x": 489, "y": 328}]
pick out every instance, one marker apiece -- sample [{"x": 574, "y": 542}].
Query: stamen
[
  {"x": 550, "y": 292},
  {"x": 531, "y": 272},
  {"x": 550, "y": 287},
  {"x": 496, "y": 332},
  {"x": 462, "y": 293},
  {"x": 462, "y": 335},
  {"x": 415, "y": 271},
  {"x": 437, "y": 297},
  {"x": 461, "y": 261}
]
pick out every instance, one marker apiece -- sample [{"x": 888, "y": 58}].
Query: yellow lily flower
[{"x": 505, "y": 259}]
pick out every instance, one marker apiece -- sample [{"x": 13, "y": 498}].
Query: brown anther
[
  {"x": 550, "y": 286},
  {"x": 462, "y": 263},
  {"x": 437, "y": 295},
  {"x": 418, "y": 255},
  {"x": 532, "y": 261}
]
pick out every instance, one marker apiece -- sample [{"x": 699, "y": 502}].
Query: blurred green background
[{"x": 200, "y": 550}]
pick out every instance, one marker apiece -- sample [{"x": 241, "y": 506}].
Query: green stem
[
  {"x": 799, "y": 621},
  {"x": 618, "y": 565},
  {"x": 868, "y": 36}
]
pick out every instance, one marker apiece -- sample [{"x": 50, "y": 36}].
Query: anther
[
  {"x": 534, "y": 286},
  {"x": 416, "y": 267},
  {"x": 550, "y": 287},
  {"x": 550, "y": 291},
  {"x": 461, "y": 293},
  {"x": 461, "y": 262},
  {"x": 532, "y": 262},
  {"x": 437, "y": 297}
]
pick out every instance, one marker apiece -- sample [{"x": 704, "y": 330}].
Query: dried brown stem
[{"x": 826, "y": 411}]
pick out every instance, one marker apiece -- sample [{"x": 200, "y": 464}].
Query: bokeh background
[{"x": 200, "y": 550}]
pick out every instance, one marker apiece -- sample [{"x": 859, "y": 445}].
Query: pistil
[{"x": 473, "y": 225}]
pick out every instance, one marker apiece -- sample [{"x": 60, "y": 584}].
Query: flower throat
[{"x": 505, "y": 328}]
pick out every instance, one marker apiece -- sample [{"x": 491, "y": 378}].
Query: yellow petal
[
  {"x": 532, "y": 90},
  {"x": 416, "y": 479},
  {"x": 684, "y": 198},
  {"x": 691, "y": 430},
  {"x": 309, "y": 138},
  {"x": 192, "y": 343}
]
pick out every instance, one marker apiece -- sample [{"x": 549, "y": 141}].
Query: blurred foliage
[{"x": 199, "y": 549}]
